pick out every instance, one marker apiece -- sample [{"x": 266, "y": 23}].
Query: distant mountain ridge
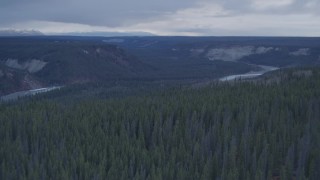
[
  {"x": 13, "y": 32},
  {"x": 106, "y": 34}
]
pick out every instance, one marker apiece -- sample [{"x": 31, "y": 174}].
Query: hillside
[
  {"x": 27, "y": 64},
  {"x": 46, "y": 61},
  {"x": 270, "y": 51}
]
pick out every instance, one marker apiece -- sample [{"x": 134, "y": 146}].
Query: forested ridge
[{"x": 266, "y": 129}]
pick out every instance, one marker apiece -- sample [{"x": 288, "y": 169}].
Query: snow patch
[
  {"x": 263, "y": 50},
  {"x": 230, "y": 54},
  {"x": 32, "y": 66},
  {"x": 85, "y": 51},
  {"x": 301, "y": 52},
  {"x": 236, "y": 52}
]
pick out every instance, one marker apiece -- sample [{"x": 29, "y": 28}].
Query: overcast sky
[{"x": 165, "y": 17}]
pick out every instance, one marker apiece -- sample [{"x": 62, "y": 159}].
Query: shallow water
[
  {"x": 249, "y": 75},
  {"x": 16, "y": 95}
]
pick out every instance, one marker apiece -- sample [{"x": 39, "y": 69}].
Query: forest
[{"x": 259, "y": 129}]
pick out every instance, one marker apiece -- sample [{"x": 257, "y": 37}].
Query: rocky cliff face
[
  {"x": 26, "y": 64},
  {"x": 32, "y": 66}
]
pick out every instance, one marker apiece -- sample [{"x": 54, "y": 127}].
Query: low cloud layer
[{"x": 181, "y": 17}]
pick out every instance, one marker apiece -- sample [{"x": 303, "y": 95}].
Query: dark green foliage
[{"x": 259, "y": 130}]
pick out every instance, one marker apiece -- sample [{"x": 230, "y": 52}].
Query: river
[
  {"x": 252, "y": 74},
  {"x": 16, "y": 95}
]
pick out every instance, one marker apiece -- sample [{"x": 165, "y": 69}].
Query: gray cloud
[
  {"x": 164, "y": 17},
  {"x": 92, "y": 12}
]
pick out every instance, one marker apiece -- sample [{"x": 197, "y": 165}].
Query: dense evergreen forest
[{"x": 261, "y": 129}]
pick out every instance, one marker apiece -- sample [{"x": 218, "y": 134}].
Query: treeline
[{"x": 260, "y": 130}]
